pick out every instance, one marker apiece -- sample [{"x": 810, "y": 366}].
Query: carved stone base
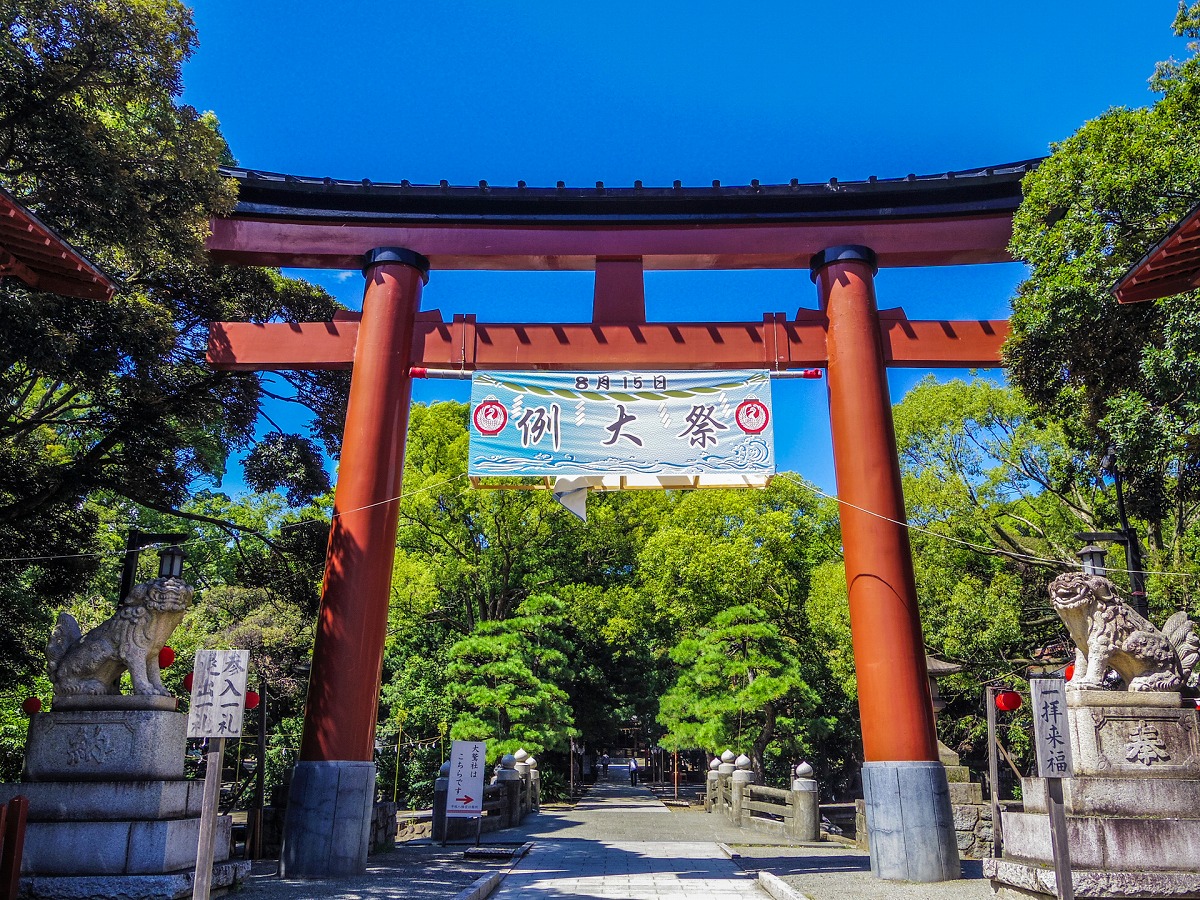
[
  {"x": 108, "y": 802},
  {"x": 117, "y": 848},
  {"x": 105, "y": 745},
  {"x": 1133, "y": 807},
  {"x": 1107, "y": 843},
  {"x": 1012, "y": 880},
  {"x": 63, "y": 801},
  {"x": 99, "y": 702},
  {"x": 1119, "y": 734},
  {"x": 172, "y": 886},
  {"x": 1121, "y": 797}
]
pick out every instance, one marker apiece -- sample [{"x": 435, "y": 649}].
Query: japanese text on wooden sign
[
  {"x": 468, "y": 765},
  {"x": 218, "y": 694},
  {"x": 1051, "y": 734},
  {"x": 645, "y": 423}
]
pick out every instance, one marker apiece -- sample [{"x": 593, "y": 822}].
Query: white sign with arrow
[{"x": 468, "y": 765}]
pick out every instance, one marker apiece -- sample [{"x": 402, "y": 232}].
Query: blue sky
[{"x": 694, "y": 91}]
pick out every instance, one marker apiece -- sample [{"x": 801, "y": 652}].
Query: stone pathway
[{"x": 621, "y": 842}]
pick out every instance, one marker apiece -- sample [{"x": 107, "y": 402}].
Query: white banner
[{"x": 635, "y": 424}]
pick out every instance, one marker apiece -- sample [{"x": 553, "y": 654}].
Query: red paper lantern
[
  {"x": 1069, "y": 672},
  {"x": 1007, "y": 701},
  {"x": 166, "y": 656},
  {"x": 31, "y": 705},
  {"x": 187, "y": 681},
  {"x": 252, "y": 699}
]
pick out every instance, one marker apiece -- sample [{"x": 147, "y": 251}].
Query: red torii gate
[{"x": 396, "y": 233}]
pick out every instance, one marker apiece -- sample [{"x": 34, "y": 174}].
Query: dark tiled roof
[{"x": 972, "y": 191}]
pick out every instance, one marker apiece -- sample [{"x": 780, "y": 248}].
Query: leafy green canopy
[
  {"x": 505, "y": 679},
  {"x": 114, "y": 400},
  {"x": 1127, "y": 376},
  {"x": 740, "y": 682}
]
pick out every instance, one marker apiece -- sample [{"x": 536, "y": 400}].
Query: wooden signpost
[
  {"x": 1052, "y": 740},
  {"x": 464, "y": 797},
  {"x": 217, "y": 706}
]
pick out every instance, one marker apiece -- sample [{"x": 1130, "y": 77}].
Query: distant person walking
[
  {"x": 633, "y": 771},
  {"x": 604, "y": 766}
]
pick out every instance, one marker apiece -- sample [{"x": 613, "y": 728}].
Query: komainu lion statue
[
  {"x": 1109, "y": 634},
  {"x": 93, "y": 663}
]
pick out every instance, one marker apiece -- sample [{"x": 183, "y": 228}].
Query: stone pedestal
[
  {"x": 971, "y": 816},
  {"x": 909, "y": 821},
  {"x": 110, "y": 812},
  {"x": 1132, "y": 807}
]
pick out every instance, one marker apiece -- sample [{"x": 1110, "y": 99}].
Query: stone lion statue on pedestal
[
  {"x": 1109, "y": 634},
  {"x": 92, "y": 663}
]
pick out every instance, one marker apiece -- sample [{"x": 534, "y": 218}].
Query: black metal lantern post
[
  {"x": 135, "y": 542},
  {"x": 1133, "y": 549}
]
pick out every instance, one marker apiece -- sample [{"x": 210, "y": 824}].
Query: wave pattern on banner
[{"x": 645, "y": 423}]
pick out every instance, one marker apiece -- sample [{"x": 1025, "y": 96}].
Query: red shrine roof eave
[
  {"x": 960, "y": 241},
  {"x": 1172, "y": 266},
  {"x": 32, "y": 252},
  {"x": 950, "y": 219}
]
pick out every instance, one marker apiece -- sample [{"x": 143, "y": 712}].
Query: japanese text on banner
[{"x": 646, "y": 423}]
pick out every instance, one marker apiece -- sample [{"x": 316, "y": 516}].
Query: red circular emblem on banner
[
  {"x": 490, "y": 417},
  {"x": 752, "y": 416}
]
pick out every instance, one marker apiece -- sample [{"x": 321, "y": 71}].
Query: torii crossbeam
[{"x": 842, "y": 232}]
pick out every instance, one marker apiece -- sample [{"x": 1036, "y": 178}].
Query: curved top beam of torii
[
  {"x": 954, "y": 218},
  {"x": 949, "y": 219}
]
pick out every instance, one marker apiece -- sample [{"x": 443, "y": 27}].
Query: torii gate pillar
[
  {"x": 327, "y": 828},
  {"x": 909, "y": 820}
]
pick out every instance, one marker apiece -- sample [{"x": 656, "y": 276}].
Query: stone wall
[
  {"x": 415, "y": 826},
  {"x": 972, "y": 828},
  {"x": 383, "y": 826}
]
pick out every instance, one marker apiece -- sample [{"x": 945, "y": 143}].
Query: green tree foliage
[
  {"x": 505, "y": 679},
  {"x": 114, "y": 399},
  {"x": 997, "y": 496},
  {"x": 741, "y": 683},
  {"x": 91, "y": 131},
  {"x": 485, "y": 550},
  {"x": 1127, "y": 376}
]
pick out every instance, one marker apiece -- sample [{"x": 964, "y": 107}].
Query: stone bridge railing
[
  {"x": 513, "y": 794},
  {"x": 794, "y": 813}
]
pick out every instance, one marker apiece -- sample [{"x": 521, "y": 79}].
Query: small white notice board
[
  {"x": 218, "y": 694},
  {"x": 1052, "y": 741},
  {"x": 468, "y": 765},
  {"x": 1051, "y": 736}
]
